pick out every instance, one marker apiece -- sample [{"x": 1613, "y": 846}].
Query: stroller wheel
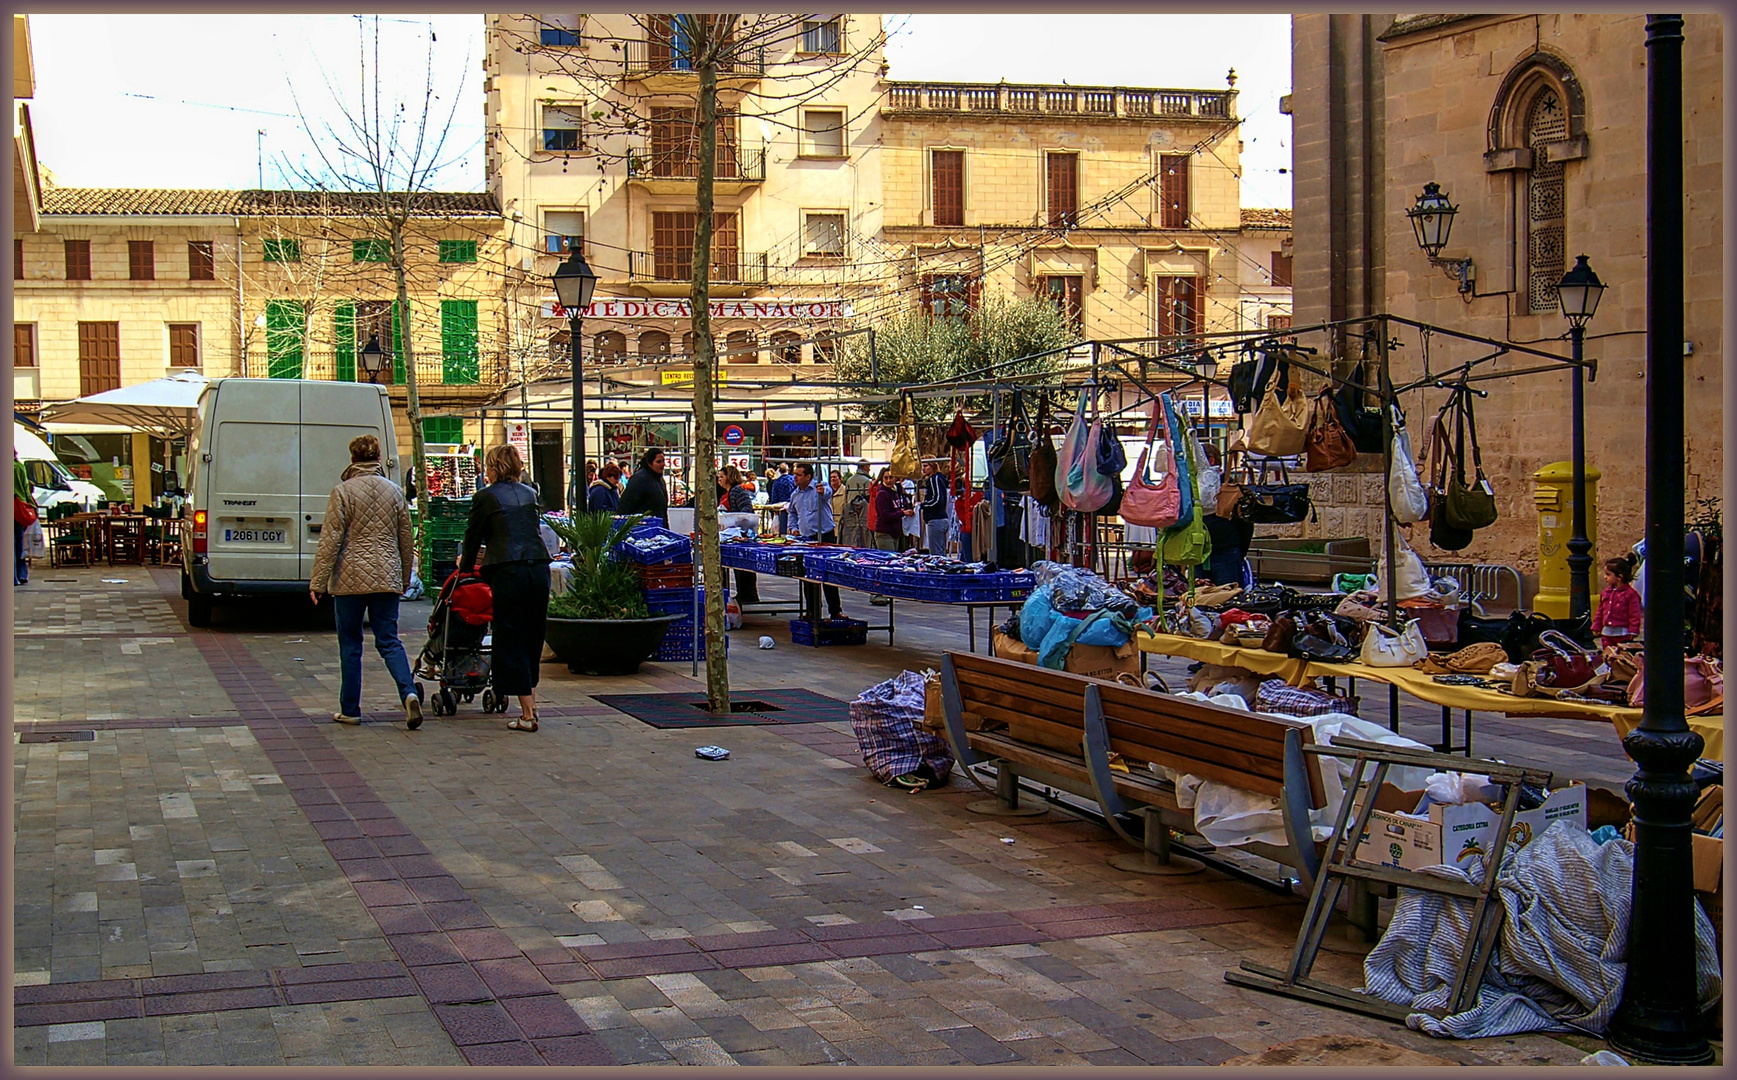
[
  {"x": 488, "y": 701},
  {"x": 447, "y": 701},
  {"x": 468, "y": 698}
]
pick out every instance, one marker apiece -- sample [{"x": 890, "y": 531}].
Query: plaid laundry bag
[
  {"x": 1277, "y": 696},
  {"x": 888, "y": 721}
]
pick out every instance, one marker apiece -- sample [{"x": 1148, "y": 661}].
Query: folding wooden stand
[{"x": 1339, "y": 865}]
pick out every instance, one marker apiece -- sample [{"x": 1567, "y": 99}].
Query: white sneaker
[
  {"x": 340, "y": 718},
  {"x": 412, "y": 712}
]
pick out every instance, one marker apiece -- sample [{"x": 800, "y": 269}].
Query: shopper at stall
[
  {"x": 889, "y": 515},
  {"x": 736, "y": 499},
  {"x": 605, "y": 492},
  {"x": 782, "y": 485},
  {"x": 811, "y": 519},
  {"x": 835, "y": 485},
  {"x": 1230, "y": 537},
  {"x": 1618, "y": 618},
  {"x": 590, "y": 473},
  {"x": 23, "y": 507},
  {"x": 935, "y": 523},
  {"x": 503, "y": 521},
  {"x": 645, "y": 492},
  {"x": 364, "y": 562},
  {"x": 859, "y": 491}
]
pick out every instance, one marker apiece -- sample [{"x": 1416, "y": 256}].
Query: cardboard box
[
  {"x": 1453, "y": 834},
  {"x": 1709, "y": 858},
  {"x": 1092, "y": 661}
]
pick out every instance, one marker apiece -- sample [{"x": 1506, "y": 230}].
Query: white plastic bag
[
  {"x": 35, "y": 542},
  {"x": 1404, "y": 489},
  {"x": 1410, "y": 579},
  {"x": 1208, "y": 478}
]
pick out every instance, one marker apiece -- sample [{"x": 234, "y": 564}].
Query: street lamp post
[
  {"x": 574, "y": 284},
  {"x": 1207, "y": 368},
  {"x": 1578, "y": 294},
  {"x": 372, "y": 358},
  {"x": 1659, "y": 1020}
]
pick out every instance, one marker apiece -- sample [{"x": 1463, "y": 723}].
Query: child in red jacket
[{"x": 1618, "y": 618}]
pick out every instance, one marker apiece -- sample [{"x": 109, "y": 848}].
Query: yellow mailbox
[{"x": 1554, "y": 497}]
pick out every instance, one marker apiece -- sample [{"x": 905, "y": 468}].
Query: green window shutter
[
  {"x": 398, "y": 343},
  {"x": 282, "y": 251},
  {"x": 443, "y": 429},
  {"x": 458, "y": 251},
  {"x": 370, "y": 251},
  {"x": 344, "y": 338},
  {"x": 458, "y": 342},
  {"x": 284, "y": 339}
]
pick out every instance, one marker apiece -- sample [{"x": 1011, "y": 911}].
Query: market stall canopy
[{"x": 166, "y": 407}]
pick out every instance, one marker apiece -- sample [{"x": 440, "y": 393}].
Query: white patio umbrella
[{"x": 164, "y": 407}]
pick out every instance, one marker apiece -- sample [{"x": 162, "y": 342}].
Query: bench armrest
[
  {"x": 1294, "y": 808},
  {"x": 953, "y": 712},
  {"x": 1095, "y": 744}
]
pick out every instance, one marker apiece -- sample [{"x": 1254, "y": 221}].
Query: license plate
[{"x": 254, "y": 536}]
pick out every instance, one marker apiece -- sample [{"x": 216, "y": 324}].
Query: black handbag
[
  {"x": 1521, "y": 633},
  {"x": 1248, "y": 381},
  {"x": 1363, "y": 424},
  {"x": 1010, "y": 455},
  {"x": 1283, "y": 503},
  {"x": 1444, "y": 532},
  {"x": 1261, "y": 600},
  {"x": 1467, "y": 506}
]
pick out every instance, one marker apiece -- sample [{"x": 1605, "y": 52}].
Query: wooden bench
[{"x": 1062, "y": 729}]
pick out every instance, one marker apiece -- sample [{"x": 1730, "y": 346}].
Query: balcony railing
[
  {"x": 1065, "y": 100},
  {"x": 432, "y": 368},
  {"x": 728, "y": 268},
  {"x": 642, "y": 58},
  {"x": 747, "y": 163}
]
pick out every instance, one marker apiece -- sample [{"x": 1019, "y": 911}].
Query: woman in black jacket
[
  {"x": 504, "y": 520},
  {"x": 645, "y": 492},
  {"x": 734, "y": 498}
]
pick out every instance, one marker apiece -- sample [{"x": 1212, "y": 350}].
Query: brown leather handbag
[
  {"x": 1042, "y": 468},
  {"x": 1330, "y": 446}
]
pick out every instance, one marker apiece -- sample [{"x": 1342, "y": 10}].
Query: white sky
[{"x": 110, "y": 111}]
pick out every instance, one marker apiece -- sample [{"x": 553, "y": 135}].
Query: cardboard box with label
[
  {"x": 1453, "y": 835},
  {"x": 1092, "y": 661}
]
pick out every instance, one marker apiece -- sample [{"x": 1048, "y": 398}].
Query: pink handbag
[
  {"x": 1145, "y": 503},
  {"x": 1077, "y": 480}
]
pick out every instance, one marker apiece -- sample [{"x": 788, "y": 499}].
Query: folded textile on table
[
  {"x": 1051, "y": 633},
  {"x": 1559, "y": 959}
]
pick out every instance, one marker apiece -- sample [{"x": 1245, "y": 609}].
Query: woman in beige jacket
[{"x": 364, "y": 563}]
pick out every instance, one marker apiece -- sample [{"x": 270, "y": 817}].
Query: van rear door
[
  {"x": 333, "y": 413},
  {"x": 254, "y": 491}
]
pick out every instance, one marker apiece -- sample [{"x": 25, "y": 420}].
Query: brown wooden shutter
[
  {"x": 99, "y": 357},
  {"x": 183, "y": 345},
  {"x": 1281, "y": 269},
  {"x": 18, "y": 258},
  {"x": 23, "y": 345},
  {"x": 948, "y": 168},
  {"x": 672, "y": 242},
  {"x": 141, "y": 260},
  {"x": 1173, "y": 191},
  {"x": 78, "y": 260},
  {"x": 201, "y": 265},
  {"x": 1064, "y": 189},
  {"x": 725, "y": 253}
]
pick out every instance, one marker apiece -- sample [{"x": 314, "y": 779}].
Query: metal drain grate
[{"x": 56, "y": 736}]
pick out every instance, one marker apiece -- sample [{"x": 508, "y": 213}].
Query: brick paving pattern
[{"x": 254, "y": 885}]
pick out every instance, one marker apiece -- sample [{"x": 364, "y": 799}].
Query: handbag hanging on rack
[
  {"x": 1280, "y": 427},
  {"x": 1249, "y": 379},
  {"x": 1443, "y": 533},
  {"x": 1468, "y": 506},
  {"x": 1364, "y": 424},
  {"x": 1405, "y": 492},
  {"x": 1010, "y": 455},
  {"x": 1329, "y": 445},
  {"x": 1283, "y": 503},
  {"x": 1041, "y": 468},
  {"x": 1082, "y": 488},
  {"x": 907, "y": 463},
  {"x": 1159, "y": 504}
]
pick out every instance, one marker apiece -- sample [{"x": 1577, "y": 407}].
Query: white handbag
[
  {"x": 1410, "y": 579},
  {"x": 1384, "y": 648},
  {"x": 1404, "y": 489}
]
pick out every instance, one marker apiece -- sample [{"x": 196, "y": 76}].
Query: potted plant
[{"x": 601, "y": 625}]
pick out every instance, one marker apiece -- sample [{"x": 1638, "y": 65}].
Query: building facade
[{"x": 1535, "y": 126}]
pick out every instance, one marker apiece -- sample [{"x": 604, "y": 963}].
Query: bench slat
[
  {"x": 1071, "y": 730},
  {"x": 1068, "y": 691},
  {"x": 1149, "y": 790},
  {"x": 970, "y": 694},
  {"x": 1264, "y": 742}
]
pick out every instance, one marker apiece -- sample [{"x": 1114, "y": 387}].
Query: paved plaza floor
[{"x": 207, "y": 870}]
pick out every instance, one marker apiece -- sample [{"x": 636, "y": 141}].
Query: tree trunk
[
  {"x": 412, "y": 399},
  {"x": 699, "y": 297}
]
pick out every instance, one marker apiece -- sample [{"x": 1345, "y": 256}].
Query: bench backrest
[
  {"x": 1242, "y": 749},
  {"x": 1023, "y": 695}
]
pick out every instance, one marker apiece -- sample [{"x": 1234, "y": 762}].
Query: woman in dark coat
[
  {"x": 645, "y": 492},
  {"x": 605, "y": 493},
  {"x": 735, "y": 498},
  {"x": 504, "y": 520}
]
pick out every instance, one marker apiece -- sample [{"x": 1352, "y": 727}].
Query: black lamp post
[
  {"x": 1578, "y": 294},
  {"x": 373, "y": 358},
  {"x": 1658, "y": 1020},
  {"x": 574, "y": 284},
  {"x": 1207, "y": 368}
]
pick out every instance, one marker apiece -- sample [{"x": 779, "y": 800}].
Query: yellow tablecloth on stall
[{"x": 1419, "y": 685}]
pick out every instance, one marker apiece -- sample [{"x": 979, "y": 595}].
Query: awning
[{"x": 166, "y": 407}]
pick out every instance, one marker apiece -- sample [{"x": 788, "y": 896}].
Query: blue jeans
[
  {"x": 20, "y": 568},
  {"x": 382, "y": 609}
]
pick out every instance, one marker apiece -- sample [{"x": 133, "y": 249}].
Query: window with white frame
[
  {"x": 563, "y": 230},
  {"x": 823, "y": 35},
  {"x": 823, "y": 133},
  {"x": 563, "y": 128},
  {"x": 823, "y": 233}
]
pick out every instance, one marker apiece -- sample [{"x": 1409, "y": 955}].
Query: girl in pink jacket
[{"x": 1618, "y": 618}]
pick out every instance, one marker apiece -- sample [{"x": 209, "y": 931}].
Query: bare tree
[{"x": 388, "y": 151}]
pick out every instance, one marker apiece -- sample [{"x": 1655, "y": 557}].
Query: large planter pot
[{"x": 606, "y": 646}]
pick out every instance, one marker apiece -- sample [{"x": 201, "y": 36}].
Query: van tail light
[{"x": 199, "y": 532}]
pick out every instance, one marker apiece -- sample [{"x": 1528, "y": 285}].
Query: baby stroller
[{"x": 456, "y": 656}]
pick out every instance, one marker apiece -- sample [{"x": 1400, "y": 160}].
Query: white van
[
  {"x": 50, "y": 482},
  {"x": 264, "y": 457}
]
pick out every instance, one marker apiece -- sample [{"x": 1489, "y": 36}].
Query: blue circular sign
[{"x": 734, "y": 435}]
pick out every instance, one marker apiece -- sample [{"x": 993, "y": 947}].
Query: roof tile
[{"x": 245, "y": 203}]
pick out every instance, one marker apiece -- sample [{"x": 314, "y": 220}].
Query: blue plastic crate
[
  {"x": 956, "y": 588},
  {"x": 678, "y": 601},
  {"x": 828, "y": 632},
  {"x": 678, "y": 549}
]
